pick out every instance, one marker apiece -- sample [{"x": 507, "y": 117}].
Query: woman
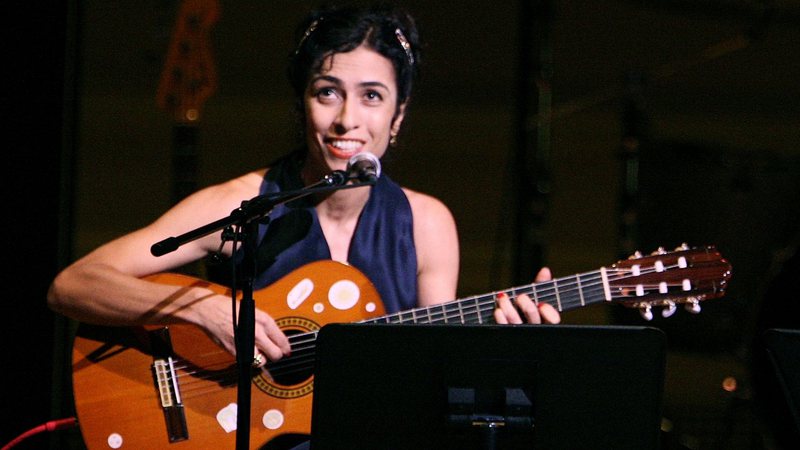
[{"x": 352, "y": 74}]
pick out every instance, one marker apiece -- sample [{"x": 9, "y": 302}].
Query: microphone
[{"x": 365, "y": 167}]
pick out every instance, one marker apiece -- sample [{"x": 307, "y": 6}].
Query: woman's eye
[
  {"x": 326, "y": 93},
  {"x": 373, "y": 96}
]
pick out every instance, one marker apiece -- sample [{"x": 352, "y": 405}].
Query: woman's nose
[{"x": 347, "y": 119}]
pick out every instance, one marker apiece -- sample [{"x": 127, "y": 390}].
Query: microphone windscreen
[{"x": 364, "y": 163}]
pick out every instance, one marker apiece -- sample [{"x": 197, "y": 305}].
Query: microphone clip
[{"x": 336, "y": 178}]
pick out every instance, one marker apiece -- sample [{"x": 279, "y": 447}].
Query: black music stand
[
  {"x": 488, "y": 386},
  {"x": 783, "y": 348}
]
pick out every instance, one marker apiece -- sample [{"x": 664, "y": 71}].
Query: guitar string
[{"x": 544, "y": 291}]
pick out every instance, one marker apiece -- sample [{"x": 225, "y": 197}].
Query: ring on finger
[{"x": 258, "y": 360}]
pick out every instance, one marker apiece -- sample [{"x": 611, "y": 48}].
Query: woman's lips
[{"x": 343, "y": 148}]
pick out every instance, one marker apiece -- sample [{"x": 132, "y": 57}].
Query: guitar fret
[
  {"x": 558, "y": 297},
  {"x": 597, "y": 293},
  {"x": 443, "y": 307},
  {"x": 431, "y": 315},
  {"x": 455, "y": 311},
  {"x": 572, "y": 297},
  {"x": 451, "y": 315},
  {"x": 580, "y": 290}
]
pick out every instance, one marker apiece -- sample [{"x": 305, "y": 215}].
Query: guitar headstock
[
  {"x": 189, "y": 78},
  {"x": 667, "y": 278}
]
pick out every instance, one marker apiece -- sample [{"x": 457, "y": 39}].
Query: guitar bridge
[{"x": 166, "y": 382}]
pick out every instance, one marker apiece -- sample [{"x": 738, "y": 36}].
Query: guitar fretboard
[{"x": 562, "y": 293}]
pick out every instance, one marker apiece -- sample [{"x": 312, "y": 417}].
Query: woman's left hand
[{"x": 508, "y": 312}]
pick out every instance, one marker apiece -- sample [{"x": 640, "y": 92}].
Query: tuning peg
[
  {"x": 683, "y": 246},
  {"x": 636, "y": 255},
  {"x": 693, "y": 306},
  {"x": 669, "y": 309},
  {"x": 659, "y": 251},
  {"x": 646, "y": 312}
]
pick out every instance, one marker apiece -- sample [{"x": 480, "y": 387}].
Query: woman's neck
[
  {"x": 344, "y": 204},
  {"x": 338, "y": 205},
  {"x": 338, "y": 214}
]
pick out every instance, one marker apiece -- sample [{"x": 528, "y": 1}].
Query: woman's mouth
[{"x": 343, "y": 148}]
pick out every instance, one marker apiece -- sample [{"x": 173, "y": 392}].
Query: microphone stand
[{"x": 248, "y": 216}]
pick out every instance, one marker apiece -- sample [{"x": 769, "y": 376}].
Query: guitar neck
[{"x": 562, "y": 293}]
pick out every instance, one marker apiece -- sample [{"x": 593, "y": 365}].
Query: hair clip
[
  {"x": 406, "y": 46},
  {"x": 307, "y": 33}
]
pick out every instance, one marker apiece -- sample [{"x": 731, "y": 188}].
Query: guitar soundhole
[{"x": 296, "y": 368}]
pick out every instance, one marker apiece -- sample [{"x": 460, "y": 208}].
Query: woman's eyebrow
[
  {"x": 338, "y": 82},
  {"x": 374, "y": 84},
  {"x": 328, "y": 78}
]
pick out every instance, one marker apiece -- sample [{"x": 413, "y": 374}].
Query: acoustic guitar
[{"x": 173, "y": 387}]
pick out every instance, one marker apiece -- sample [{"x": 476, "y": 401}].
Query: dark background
[{"x": 708, "y": 89}]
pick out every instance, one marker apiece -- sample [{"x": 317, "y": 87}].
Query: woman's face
[{"x": 350, "y": 107}]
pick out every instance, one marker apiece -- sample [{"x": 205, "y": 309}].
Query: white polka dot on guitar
[{"x": 344, "y": 294}]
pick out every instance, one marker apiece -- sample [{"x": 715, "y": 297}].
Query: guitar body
[{"x": 118, "y": 398}]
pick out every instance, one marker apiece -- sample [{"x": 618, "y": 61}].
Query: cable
[{"x": 53, "y": 425}]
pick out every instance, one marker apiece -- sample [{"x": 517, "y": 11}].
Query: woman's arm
[{"x": 106, "y": 286}]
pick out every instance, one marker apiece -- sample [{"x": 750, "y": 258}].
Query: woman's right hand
[{"x": 217, "y": 322}]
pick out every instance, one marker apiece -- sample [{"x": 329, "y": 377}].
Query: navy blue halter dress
[{"x": 382, "y": 247}]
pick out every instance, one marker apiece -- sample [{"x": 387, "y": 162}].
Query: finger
[
  {"x": 271, "y": 339},
  {"x": 499, "y": 317},
  {"x": 549, "y": 314},
  {"x": 543, "y": 275},
  {"x": 269, "y": 348},
  {"x": 505, "y": 311},
  {"x": 528, "y": 308}
]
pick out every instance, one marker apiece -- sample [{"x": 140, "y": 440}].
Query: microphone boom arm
[{"x": 255, "y": 209}]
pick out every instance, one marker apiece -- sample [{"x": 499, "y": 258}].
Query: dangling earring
[{"x": 393, "y": 139}]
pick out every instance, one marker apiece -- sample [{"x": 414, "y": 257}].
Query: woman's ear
[{"x": 398, "y": 118}]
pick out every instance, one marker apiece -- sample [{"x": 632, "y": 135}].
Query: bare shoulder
[
  {"x": 427, "y": 208},
  {"x": 220, "y": 198},
  {"x": 436, "y": 243},
  {"x": 205, "y": 206},
  {"x": 236, "y": 189}
]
